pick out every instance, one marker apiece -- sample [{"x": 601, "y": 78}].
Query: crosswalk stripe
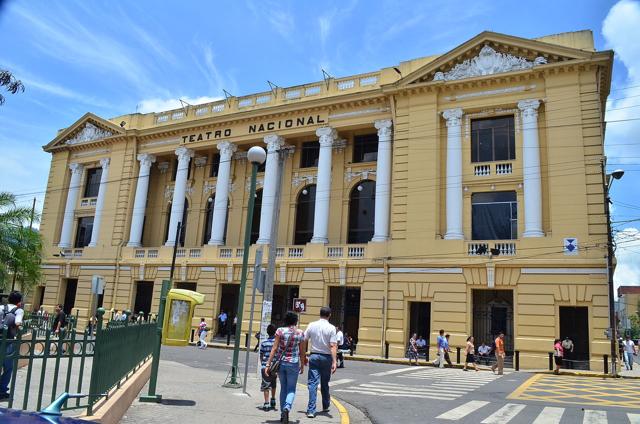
[
  {"x": 462, "y": 410},
  {"x": 411, "y": 395},
  {"x": 427, "y": 390},
  {"x": 343, "y": 381},
  {"x": 594, "y": 417},
  {"x": 432, "y": 386},
  {"x": 634, "y": 418},
  {"x": 549, "y": 415},
  {"x": 504, "y": 414},
  {"x": 380, "y": 374}
]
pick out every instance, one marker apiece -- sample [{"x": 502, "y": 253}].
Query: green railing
[
  {"x": 42, "y": 323},
  {"x": 120, "y": 349}
]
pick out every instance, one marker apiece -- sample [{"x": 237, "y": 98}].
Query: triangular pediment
[
  {"x": 491, "y": 53},
  {"x": 88, "y": 129}
]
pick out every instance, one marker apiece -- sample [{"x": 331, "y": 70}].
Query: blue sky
[{"x": 113, "y": 58}]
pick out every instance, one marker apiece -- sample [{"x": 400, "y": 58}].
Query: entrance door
[
  {"x": 420, "y": 319},
  {"x": 38, "y": 297},
  {"x": 70, "y": 295},
  {"x": 144, "y": 296},
  {"x": 283, "y": 296},
  {"x": 492, "y": 314},
  {"x": 574, "y": 323},
  {"x": 345, "y": 309}
]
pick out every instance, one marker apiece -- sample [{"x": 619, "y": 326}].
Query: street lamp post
[
  {"x": 256, "y": 155},
  {"x": 607, "y": 180}
]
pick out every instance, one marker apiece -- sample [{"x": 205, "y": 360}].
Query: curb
[{"x": 344, "y": 414}]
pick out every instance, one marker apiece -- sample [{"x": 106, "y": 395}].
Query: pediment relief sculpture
[
  {"x": 488, "y": 62},
  {"x": 90, "y": 132}
]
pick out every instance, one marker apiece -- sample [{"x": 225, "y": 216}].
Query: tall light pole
[
  {"x": 256, "y": 155},
  {"x": 607, "y": 180}
]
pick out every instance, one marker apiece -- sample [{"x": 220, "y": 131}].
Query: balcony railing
[
  {"x": 483, "y": 248},
  {"x": 352, "y": 252},
  {"x": 485, "y": 170},
  {"x": 72, "y": 253}
]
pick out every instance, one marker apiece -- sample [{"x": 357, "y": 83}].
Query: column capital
[
  {"x": 327, "y": 136},
  {"x": 146, "y": 159},
  {"x": 76, "y": 168},
  {"x": 274, "y": 142},
  {"x": 384, "y": 127},
  {"x": 104, "y": 162},
  {"x": 529, "y": 107},
  {"x": 227, "y": 149},
  {"x": 452, "y": 116},
  {"x": 184, "y": 153}
]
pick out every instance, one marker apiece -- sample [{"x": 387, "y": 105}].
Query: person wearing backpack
[{"x": 11, "y": 316}]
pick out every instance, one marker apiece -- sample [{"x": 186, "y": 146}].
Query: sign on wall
[
  {"x": 300, "y": 305},
  {"x": 570, "y": 246}
]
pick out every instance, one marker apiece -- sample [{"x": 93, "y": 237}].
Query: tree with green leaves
[
  {"x": 20, "y": 246},
  {"x": 10, "y": 83}
]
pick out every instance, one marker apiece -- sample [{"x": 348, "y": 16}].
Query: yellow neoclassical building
[{"x": 460, "y": 191}]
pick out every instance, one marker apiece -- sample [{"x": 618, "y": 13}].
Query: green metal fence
[
  {"x": 42, "y": 323},
  {"x": 74, "y": 362}
]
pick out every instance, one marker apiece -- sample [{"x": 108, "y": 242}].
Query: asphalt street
[{"x": 404, "y": 394}]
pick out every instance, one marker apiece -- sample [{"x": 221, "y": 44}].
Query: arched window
[
  {"x": 305, "y": 208},
  {"x": 208, "y": 218},
  {"x": 362, "y": 202},
  {"x": 257, "y": 208}
]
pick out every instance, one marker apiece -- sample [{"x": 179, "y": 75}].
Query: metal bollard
[
  {"x": 386, "y": 350},
  {"x": 458, "y": 355},
  {"x": 228, "y": 338},
  {"x": 517, "y": 360},
  {"x": 550, "y": 361},
  {"x": 606, "y": 364},
  {"x": 246, "y": 341}
]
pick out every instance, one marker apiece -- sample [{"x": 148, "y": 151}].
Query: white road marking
[
  {"x": 380, "y": 374},
  {"x": 343, "y": 381},
  {"x": 549, "y": 415},
  {"x": 504, "y": 414},
  {"x": 415, "y": 390},
  {"x": 634, "y": 418},
  {"x": 462, "y": 410},
  {"x": 411, "y": 395},
  {"x": 594, "y": 417}
]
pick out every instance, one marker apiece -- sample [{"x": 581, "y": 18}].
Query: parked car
[{"x": 12, "y": 416}]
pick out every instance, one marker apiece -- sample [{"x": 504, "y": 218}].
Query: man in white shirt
[
  {"x": 339, "y": 343},
  {"x": 11, "y": 316},
  {"x": 629, "y": 349},
  {"x": 322, "y": 339}
]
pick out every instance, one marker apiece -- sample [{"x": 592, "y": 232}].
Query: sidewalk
[{"x": 196, "y": 395}]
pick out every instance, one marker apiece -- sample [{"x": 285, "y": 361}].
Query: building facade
[
  {"x": 461, "y": 191},
  {"x": 628, "y": 305}
]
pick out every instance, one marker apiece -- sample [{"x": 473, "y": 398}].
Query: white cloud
[
  {"x": 160, "y": 105},
  {"x": 628, "y": 256},
  {"x": 280, "y": 19}
]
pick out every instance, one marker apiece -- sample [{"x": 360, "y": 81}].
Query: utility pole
[{"x": 33, "y": 212}]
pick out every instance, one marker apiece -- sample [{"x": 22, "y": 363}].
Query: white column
[
  {"x": 531, "y": 169},
  {"x": 97, "y": 217},
  {"x": 271, "y": 178},
  {"x": 327, "y": 136},
  {"x": 179, "y": 191},
  {"x": 69, "y": 210},
  {"x": 383, "y": 181},
  {"x": 227, "y": 149},
  {"x": 454, "y": 174},
  {"x": 140, "y": 202}
]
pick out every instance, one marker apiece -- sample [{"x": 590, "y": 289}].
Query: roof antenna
[
  {"x": 273, "y": 87},
  {"x": 227, "y": 96},
  {"x": 185, "y": 109},
  {"x": 327, "y": 77}
]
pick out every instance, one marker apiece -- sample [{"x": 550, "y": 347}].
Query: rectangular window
[
  {"x": 365, "y": 148},
  {"x": 92, "y": 185},
  {"x": 493, "y": 139},
  {"x": 309, "y": 154},
  {"x": 83, "y": 233},
  {"x": 494, "y": 216},
  {"x": 215, "y": 165}
]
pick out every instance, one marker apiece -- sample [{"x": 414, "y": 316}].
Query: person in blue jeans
[
  {"x": 10, "y": 317},
  {"x": 322, "y": 339},
  {"x": 289, "y": 347}
]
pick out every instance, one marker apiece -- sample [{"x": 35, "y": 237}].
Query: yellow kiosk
[{"x": 178, "y": 314}]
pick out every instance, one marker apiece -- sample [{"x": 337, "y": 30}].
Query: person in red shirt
[
  {"x": 558, "y": 354},
  {"x": 499, "y": 365}
]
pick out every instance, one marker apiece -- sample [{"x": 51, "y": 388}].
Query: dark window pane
[
  {"x": 262, "y": 166},
  {"x": 494, "y": 216},
  {"x": 93, "y": 182},
  {"x": 255, "y": 225},
  {"x": 485, "y": 145},
  {"x": 365, "y": 148},
  {"x": 183, "y": 222},
  {"x": 492, "y": 139},
  {"x": 174, "y": 170},
  {"x": 362, "y": 212},
  {"x": 305, "y": 215},
  {"x": 310, "y": 154},
  {"x": 215, "y": 164},
  {"x": 83, "y": 233},
  {"x": 208, "y": 219}
]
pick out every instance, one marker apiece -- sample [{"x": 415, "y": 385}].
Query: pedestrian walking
[
  {"x": 339, "y": 343},
  {"x": 222, "y": 323},
  {"x": 567, "y": 345},
  {"x": 499, "y": 365},
  {"x": 629, "y": 350},
  {"x": 470, "y": 353},
  {"x": 447, "y": 349},
  {"x": 268, "y": 381},
  {"x": 322, "y": 337},
  {"x": 412, "y": 349},
  {"x": 11, "y": 316},
  {"x": 440, "y": 342},
  {"x": 290, "y": 346},
  {"x": 60, "y": 321},
  {"x": 558, "y": 354}
]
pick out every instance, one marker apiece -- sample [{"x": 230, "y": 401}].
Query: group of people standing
[{"x": 284, "y": 355}]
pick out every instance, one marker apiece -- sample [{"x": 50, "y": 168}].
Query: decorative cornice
[
  {"x": 488, "y": 62},
  {"x": 89, "y": 153},
  {"x": 303, "y": 179},
  {"x": 90, "y": 132},
  {"x": 363, "y": 174}
]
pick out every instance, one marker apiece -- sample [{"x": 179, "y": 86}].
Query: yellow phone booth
[{"x": 178, "y": 314}]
